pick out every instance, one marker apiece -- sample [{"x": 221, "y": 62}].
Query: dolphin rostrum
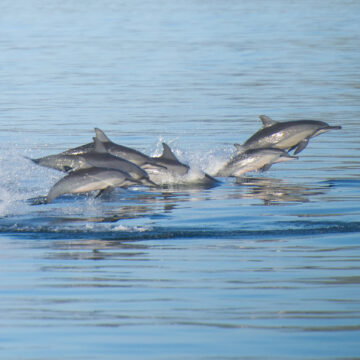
[
  {"x": 253, "y": 160},
  {"x": 98, "y": 157},
  {"x": 92, "y": 179},
  {"x": 61, "y": 162},
  {"x": 286, "y": 135}
]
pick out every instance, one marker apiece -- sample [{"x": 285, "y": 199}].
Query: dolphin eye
[{"x": 67, "y": 168}]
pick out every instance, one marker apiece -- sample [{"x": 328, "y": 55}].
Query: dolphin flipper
[
  {"x": 104, "y": 192},
  {"x": 265, "y": 168},
  {"x": 301, "y": 146}
]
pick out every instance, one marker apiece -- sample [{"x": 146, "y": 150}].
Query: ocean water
[{"x": 261, "y": 267}]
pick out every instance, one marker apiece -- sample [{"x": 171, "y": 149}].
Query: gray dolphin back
[{"x": 124, "y": 152}]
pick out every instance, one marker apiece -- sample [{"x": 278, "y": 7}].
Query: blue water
[{"x": 262, "y": 267}]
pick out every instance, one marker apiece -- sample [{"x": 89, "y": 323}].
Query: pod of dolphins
[{"x": 102, "y": 164}]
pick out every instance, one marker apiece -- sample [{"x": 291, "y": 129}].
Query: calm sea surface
[{"x": 262, "y": 267}]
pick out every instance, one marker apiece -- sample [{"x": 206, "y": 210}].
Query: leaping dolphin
[
  {"x": 160, "y": 169},
  {"x": 253, "y": 160},
  {"x": 99, "y": 157},
  {"x": 121, "y": 151},
  {"x": 288, "y": 135},
  {"x": 92, "y": 179}
]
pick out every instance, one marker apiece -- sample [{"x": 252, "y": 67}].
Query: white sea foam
[
  {"x": 211, "y": 161},
  {"x": 20, "y": 180},
  {"x": 127, "y": 228},
  {"x": 201, "y": 163}
]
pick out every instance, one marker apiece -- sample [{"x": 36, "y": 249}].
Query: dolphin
[
  {"x": 92, "y": 179},
  {"x": 253, "y": 160},
  {"x": 160, "y": 169},
  {"x": 287, "y": 135},
  {"x": 121, "y": 151},
  {"x": 99, "y": 157},
  {"x": 61, "y": 162},
  {"x": 172, "y": 170}
]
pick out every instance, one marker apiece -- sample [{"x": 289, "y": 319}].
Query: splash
[
  {"x": 201, "y": 164},
  {"x": 212, "y": 161},
  {"x": 20, "y": 180}
]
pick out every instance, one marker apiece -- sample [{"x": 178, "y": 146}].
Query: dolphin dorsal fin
[
  {"x": 167, "y": 153},
  {"x": 101, "y": 135},
  {"x": 267, "y": 121},
  {"x": 239, "y": 148},
  {"x": 99, "y": 146}
]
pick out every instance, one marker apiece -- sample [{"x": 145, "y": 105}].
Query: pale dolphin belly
[
  {"x": 293, "y": 139},
  {"x": 96, "y": 185}
]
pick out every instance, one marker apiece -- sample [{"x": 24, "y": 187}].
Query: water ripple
[{"x": 122, "y": 232}]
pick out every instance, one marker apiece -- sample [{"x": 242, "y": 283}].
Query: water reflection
[
  {"x": 156, "y": 204},
  {"x": 160, "y": 279},
  {"x": 95, "y": 249},
  {"x": 343, "y": 183},
  {"x": 166, "y": 203},
  {"x": 153, "y": 204},
  {"x": 274, "y": 191}
]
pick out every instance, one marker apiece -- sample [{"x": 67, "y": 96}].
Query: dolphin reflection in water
[{"x": 273, "y": 191}]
